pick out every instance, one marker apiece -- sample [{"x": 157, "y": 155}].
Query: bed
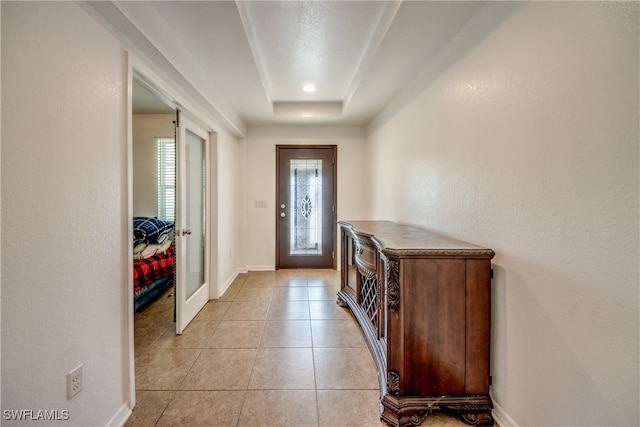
[{"x": 154, "y": 259}]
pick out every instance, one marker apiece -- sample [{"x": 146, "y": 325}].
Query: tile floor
[{"x": 274, "y": 350}]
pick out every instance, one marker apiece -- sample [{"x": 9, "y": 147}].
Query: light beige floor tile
[
  {"x": 345, "y": 369},
  {"x": 229, "y": 294},
  {"x": 203, "y": 408},
  {"x": 291, "y": 310},
  {"x": 161, "y": 306},
  {"x": 240, "y": 279},
  {"x": 283, "y": 368},
  {"x": 280, "y": 408},
  {"x": 323, "y": 272},
  {"x": 323, "y": 293},
  {"x": 236, "y": 334},
  {"x": 164, "y": 368},
  {"x": 151, "y": 323},
  {"x": 268, "y": 274},
  {"x": 290, "y": 293},
  {"x": 214, "y": 310},
  {"x": 260, "y": 279},
  {"x": 247, "y": 310},
  {"x": 326, "y": 278},
  {"x": 345, "y": 408},
  {"x": 336, "y": 333},
  {"x": 254, "y": 294},
  {"x": 237, "y": 284},
  {"x": 195, "y": 335},
  {"x": 220, "y": 369},
  {"x": 329, "y": 310},
  {"x": 327, "y": 282},
  {"x": 149, "y": 408},
  {"x": 144, "y": 321},
  {"x": 155, "y": 317},
  {"x": 146, "y": 332},
  {"x": 291, "y": 273},
  {"x": 286, "y": 333},
  {"x": 289, "y": 280}
]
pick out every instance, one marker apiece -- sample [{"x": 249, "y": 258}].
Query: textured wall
[
  {"x": 523, "y": 136},
  {"x": 229, "y": 200},
  {"x": 63, "y": 184}
]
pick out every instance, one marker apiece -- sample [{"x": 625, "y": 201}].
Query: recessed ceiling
[{"x": 251, "y": 59}]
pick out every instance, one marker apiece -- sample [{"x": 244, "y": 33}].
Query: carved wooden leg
[
  {"x": 341, "y": 302},
  {"x": 411, "y": 411},
  {"x": 483, "y": 418},
  {"x": 413, "y": 417}
]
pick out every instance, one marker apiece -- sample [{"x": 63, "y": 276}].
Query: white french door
[{"x": 192, "y": 289}]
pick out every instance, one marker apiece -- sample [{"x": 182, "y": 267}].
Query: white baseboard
[
  {"x": 261, "y": 268},
  {"x": 120, "y": 417},
  {"x": 230, "y": 280},
  {"x": 501, "y": 417}
]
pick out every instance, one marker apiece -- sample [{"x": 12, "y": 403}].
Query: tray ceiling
[{"x": 251, "y": 59}]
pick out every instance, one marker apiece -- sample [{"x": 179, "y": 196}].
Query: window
[{"x": 166, "y": 152}]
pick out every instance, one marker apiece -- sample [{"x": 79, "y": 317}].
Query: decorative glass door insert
[{"x": 305, "y": 207}]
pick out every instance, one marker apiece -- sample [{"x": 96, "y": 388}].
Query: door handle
[
  {"x": 282, "y": 214},
  {"x": 282, "y": 206},
  {"x": 186, "y": 231}
]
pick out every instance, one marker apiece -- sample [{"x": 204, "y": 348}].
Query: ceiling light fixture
[{"x": 309, "y": 88}]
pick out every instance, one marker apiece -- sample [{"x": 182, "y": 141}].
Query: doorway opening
[
  {"x": 153, "y": 195},
  {"x": 170, "y": 180}
]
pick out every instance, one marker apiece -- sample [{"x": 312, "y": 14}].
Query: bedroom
[{"x": 153, "y": 156}]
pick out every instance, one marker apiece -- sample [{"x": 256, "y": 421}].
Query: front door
[
  {"x": 192, "y": 290},
  {"x": 305, "y": 206}
]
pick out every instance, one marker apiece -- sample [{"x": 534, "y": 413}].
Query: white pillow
[
  {"x": 149, "y": 251},
  {"x": 162, "y": 248}
]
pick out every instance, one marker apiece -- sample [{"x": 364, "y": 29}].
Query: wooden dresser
[{"x": 423, "y": 303}]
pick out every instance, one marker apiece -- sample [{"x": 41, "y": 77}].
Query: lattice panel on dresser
[{"x": 369, "y": 297}]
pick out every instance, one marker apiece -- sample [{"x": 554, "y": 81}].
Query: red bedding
[{"x": 153, "y": 268}]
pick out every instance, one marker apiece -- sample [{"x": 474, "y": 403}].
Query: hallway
[{"x": 275, "y": 350}]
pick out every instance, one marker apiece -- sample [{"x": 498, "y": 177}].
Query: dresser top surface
[{"x": 400, "y": 239}]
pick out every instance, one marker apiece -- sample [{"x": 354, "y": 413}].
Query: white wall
[
  {"x": 523, "y": 136},
  {"x": 231, "y": 217},
  {"x": 63, "y": 218},
  {"x": 261, "y": 181},
  {"x": 146, "y": 128}
]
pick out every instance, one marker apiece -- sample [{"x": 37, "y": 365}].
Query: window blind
[{"x": 166, "y": 156}]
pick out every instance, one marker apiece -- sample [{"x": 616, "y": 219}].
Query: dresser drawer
[{"x": 366, "y": 256}]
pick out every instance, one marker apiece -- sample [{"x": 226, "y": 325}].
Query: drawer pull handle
[{"x": 360, "y": 251}]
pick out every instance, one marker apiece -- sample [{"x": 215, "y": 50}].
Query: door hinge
[
  {"x": 177, "y": 122},
  {"x": 333, "y": 208},
  {"x": 333, "y": 255}
]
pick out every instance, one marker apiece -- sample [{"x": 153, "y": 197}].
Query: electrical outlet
[{"x": 74, "y": 382}]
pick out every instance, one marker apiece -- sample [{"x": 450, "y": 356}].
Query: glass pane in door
[
  {"x": 195, "y": 212},
  {"x": 305, "y": 207}
]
